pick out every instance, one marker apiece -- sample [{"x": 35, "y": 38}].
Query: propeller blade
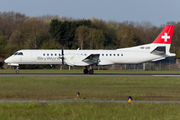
[
  {"x": 62, "y": 56},
  {"x": 62, "y": 52},
  {"x": 62, "y": 60}
]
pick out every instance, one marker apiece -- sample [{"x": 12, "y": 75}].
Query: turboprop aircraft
[{"x": 157, "y": 50}]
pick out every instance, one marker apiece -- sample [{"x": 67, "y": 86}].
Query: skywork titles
[{"x": 48, "y": 58}]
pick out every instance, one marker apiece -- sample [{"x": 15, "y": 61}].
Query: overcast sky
[{"x": 155, "y": 11}]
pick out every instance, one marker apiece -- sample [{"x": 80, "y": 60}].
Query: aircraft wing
[
  {"x": 92, "y": 58},
  {"x": 81, "y": 60}
]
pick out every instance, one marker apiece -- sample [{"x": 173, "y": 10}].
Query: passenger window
[
  {"x": 106, "y": 54},
  {"x": 43, "y": 54},
  {"x": 121, "y": 54},
  {"x": 109, "y": 54},
  {"x": 55, "y": 54},
  {"x": 114, "y": 54},
  {"x": 51, "y": 54},
  {"x": 117, "y": 54},
  {"x": 102, "y": 54},
  {"x": 47, "y": 54},
  {"x": 85, "y": 54},
  {"x": 59, "y": 54}
]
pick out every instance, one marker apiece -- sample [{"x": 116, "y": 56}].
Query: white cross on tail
[{"x": 165, "y": 37}]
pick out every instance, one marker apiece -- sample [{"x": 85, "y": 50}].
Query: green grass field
[
  {"x": 90, "y": 87},
  {"x": 89, "y": 111}
]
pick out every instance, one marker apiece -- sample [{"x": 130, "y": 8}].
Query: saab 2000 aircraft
[{"x": 155, "y": 51}]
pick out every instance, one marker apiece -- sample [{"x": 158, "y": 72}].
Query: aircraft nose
[{"x": 6, "y": 60}]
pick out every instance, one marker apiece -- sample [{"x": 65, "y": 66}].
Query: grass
[
  {"x": 89, "y": 111},
  {"x": 90, "y": 87}
]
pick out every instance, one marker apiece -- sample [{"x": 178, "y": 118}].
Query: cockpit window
[
  {"x": 16, "y": 53},
  {"x": 20, "y": 53}
]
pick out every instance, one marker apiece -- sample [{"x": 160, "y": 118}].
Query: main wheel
[
  {"x": 86, "y": 71},
  {"x": 91, "y": 71},
  {"x": 17, "y": 71}
]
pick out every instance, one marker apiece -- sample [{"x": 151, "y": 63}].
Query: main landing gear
[
  {"x": 91, "y": 71},
  {"x": 86, "y": 71}
]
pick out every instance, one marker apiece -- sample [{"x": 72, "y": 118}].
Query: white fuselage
[{"x": 133, "y": 55}]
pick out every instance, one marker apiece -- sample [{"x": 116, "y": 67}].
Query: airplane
[{"x": 157, "y": 50}]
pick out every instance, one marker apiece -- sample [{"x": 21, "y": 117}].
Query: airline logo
[
  {"x": 165, "y": 36},
  {"x": 48, "y": 58},
  {"x": 72, "y": 57}
]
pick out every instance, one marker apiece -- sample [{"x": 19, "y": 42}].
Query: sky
[{"x": 157, "y": 12}]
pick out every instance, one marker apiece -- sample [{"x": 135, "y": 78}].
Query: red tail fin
[{"x": 165, "y": 36}]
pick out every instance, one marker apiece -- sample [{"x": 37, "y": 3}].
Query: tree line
[{"x": 18, "y": 31}]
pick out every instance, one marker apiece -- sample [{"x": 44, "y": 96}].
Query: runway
[
  {"x": 90, "y": 100},
  {"x": 81, "y": 74}
]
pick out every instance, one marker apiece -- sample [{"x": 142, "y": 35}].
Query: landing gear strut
[{"x": 17, "y": 71}]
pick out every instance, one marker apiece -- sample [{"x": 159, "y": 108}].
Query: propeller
[{"x": 62, "y": 56}]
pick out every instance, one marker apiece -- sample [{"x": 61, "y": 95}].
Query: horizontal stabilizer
[{"x": 159, "y": 50}]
